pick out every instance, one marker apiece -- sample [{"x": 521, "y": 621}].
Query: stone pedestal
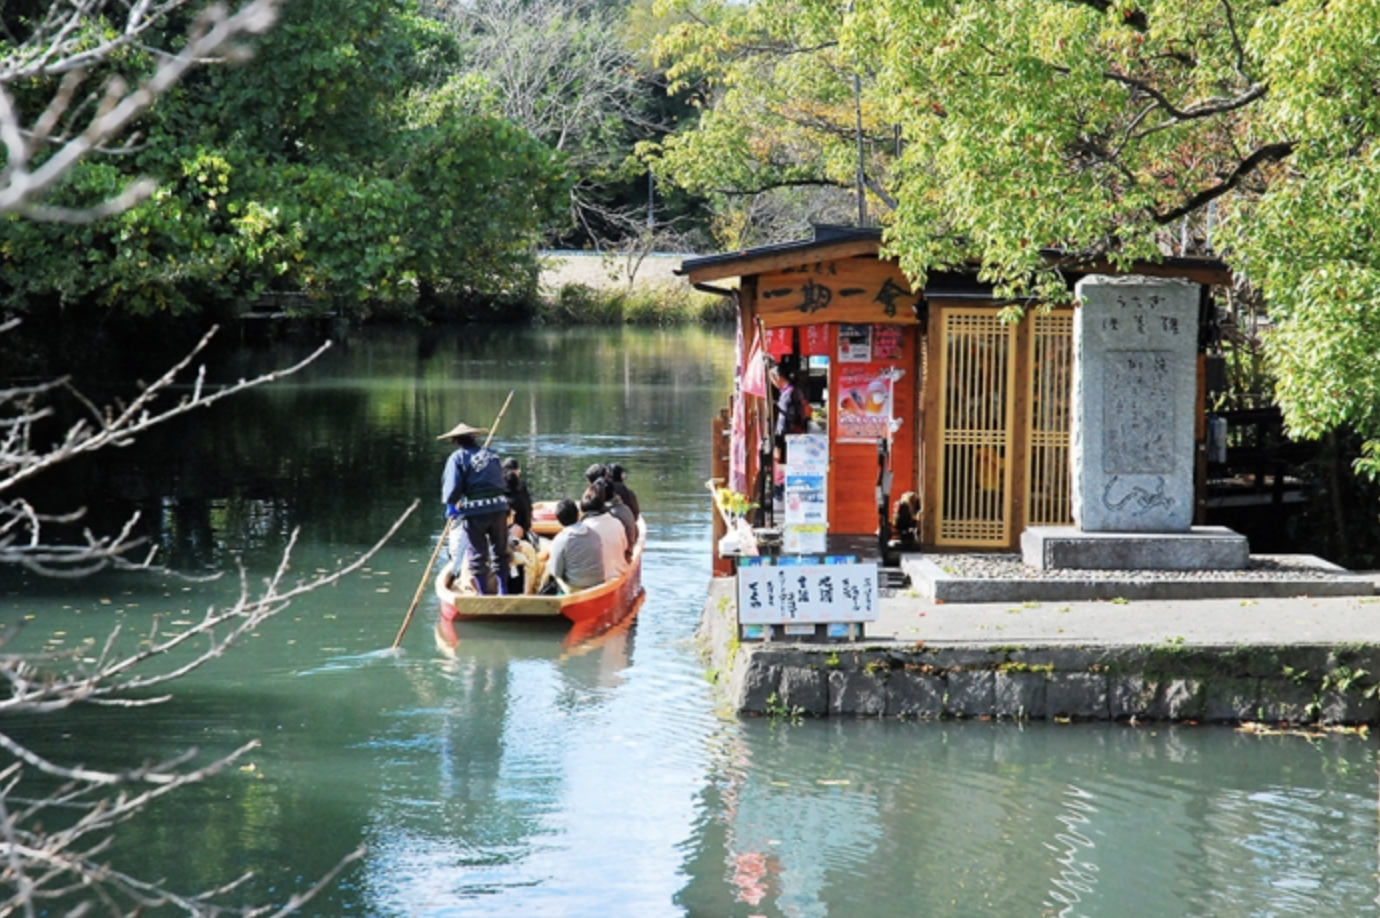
[
  {"x": 1135, "y": 386},
  {"x": 1202, "y": 548}
]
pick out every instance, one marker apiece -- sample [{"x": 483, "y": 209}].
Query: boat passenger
[
  {"x": 519, "y": 499},
  {"x": 619, "y": 511},
  {"x": 577, "y": 553},
  {"x": 595, "y": 472},
  {"x": 529, "y": 559},
  {"x": 617, "y": 476},
  {"x": 472, "y": 490},
  {"x": 595, "y": 514}
]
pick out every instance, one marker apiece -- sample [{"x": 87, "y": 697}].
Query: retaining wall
[{"x": 1296, "y": 684}]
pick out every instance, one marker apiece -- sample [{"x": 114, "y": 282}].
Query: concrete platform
[
  {"x": 1310, "y": 576},
  {"x": 1297, "y": 660},
  {"x": 1202, "y": 548}
]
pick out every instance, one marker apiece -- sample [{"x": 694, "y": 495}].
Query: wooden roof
[{"x": 834, "y": 243}]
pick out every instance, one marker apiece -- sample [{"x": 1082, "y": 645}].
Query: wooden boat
[{"x": 607, "y": 599}]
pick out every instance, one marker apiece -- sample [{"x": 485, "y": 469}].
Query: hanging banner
[
  {"x": 780, "y": 342},
  {"x": 754, "y": 378},
  {"x": 814, "y": 340},
  {"x": 865, "y": 402}
]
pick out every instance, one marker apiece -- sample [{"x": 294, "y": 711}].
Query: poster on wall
[
  {"x": 806, "y": 499},
  {"x": 865, "y": 403},
  {"x": 805, "y": 539},
  {"x": 855, "y": 343},
  {"x": 886, "y": 342},
  {"x": 780, "y": 342},
  {"x": 807, "y": 494}
]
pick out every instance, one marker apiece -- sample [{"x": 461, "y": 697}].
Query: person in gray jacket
[{"x": 577, "y": 553}]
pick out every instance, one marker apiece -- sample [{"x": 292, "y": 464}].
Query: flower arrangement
[{"x": 734, "y": 504}]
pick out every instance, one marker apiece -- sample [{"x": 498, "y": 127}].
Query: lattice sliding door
[
  {"x": 1051, "y": 385},
  {"x": 975, "y": 418}
]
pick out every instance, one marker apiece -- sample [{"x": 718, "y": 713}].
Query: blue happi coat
[{"x": 472, "y": 483}]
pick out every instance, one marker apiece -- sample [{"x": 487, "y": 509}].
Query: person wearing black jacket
[
  {"x": 519, "y": 499},
  {"x": 620, "y": 487}
]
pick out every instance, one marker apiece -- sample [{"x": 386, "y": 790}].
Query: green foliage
[
  {"x": 780, "y": 712},
  {"x": 331, "y": 164},
  {"x": 652, "y": 304},
  {"x": 1106, "y": 130},
  {"x": 775, "y": 100}
]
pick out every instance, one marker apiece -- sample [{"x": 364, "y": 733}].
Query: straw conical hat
[{"x": 459, "y": 430}]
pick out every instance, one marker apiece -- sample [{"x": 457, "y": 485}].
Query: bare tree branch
[
  {"x": 1270, "y": 153},
  {"x": 782, "y": 183},
  {"x": 53, "y": 840},
  {"x": 1205, "y": 109},
  {"x": 62, "y": 44}
]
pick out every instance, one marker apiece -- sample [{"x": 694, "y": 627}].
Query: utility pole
[{"x": 862, "y": 174}]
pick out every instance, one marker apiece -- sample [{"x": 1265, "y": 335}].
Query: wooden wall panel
[
  {"x": 1048, "y": 488},
  {"x": 855, "y": 290},
  {"x": 976, "y": 418},
  {"x": 853, "y": 466}
]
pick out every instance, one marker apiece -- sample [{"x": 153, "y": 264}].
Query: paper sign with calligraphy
[
  {"x": 814, "y": 340},
  {"x": 802, "y": 593},
  {"x": 864, "y": 408},
  {"x": 886, "y": 342},
  {"x": 780, "y": 342}
]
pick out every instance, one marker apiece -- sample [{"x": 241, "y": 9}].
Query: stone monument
[{"x": 1132, "y": 452}]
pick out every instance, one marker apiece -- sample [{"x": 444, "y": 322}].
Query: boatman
[{"x": 472, "y": 489}]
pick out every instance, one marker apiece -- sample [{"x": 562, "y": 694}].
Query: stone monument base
[{"x": 1203, "y": 548}]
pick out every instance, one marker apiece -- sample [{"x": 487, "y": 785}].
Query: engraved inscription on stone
[{"x": 1137, "y": 413}]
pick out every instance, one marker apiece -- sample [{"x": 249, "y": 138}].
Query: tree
[
  {"x": 57, "y": 820},
  {"x": 334, "y": 166},
  {"x": 66, "y": 41},
  {"x": 775, "y": 146},
  {"x": 1132, "y": 130},
  {"x": 568, "y": 73}
]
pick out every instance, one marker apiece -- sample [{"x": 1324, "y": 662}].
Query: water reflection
[
  {"x": 1074, "y": 855},
  {"x": 530, "y": 769}
]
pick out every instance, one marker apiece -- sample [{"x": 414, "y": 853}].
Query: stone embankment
[{"x": 1296, "y": 661}]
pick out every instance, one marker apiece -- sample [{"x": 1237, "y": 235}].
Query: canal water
[{"x": 526, "y": 774}]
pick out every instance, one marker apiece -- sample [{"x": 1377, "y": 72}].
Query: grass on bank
[{"x": 648, "y": 304}]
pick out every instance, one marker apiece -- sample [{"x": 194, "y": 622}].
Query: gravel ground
[{"x": 1009, "y": 567}]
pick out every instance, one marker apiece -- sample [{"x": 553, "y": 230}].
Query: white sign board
[
  {"x": 805, "y": 538},
  {"x": 807, "y": 494},
  {"x": 800, "y": 593},
  {"x": 807, "y": 454}
]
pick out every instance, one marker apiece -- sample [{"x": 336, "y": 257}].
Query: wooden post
[{"x": 720, "y": 434}]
